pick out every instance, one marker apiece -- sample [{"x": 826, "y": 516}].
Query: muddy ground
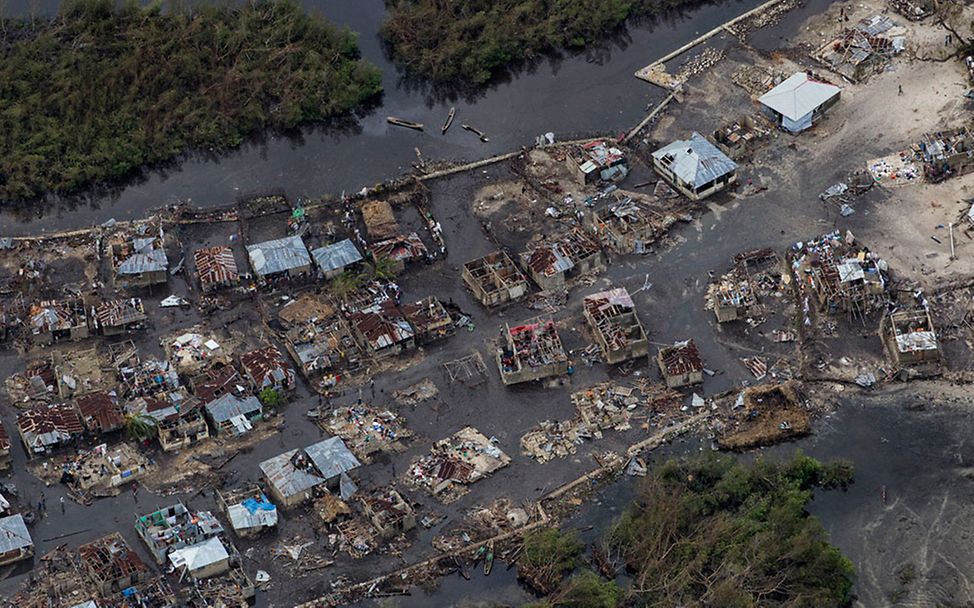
[{"x": 908, "y": 552}]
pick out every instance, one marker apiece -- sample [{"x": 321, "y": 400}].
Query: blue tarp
[{"x": 253, "y": 505}]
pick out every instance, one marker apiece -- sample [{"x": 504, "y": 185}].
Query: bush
[
  {"x": 270, "y": 398},
  {"x": 549, "y": 555}
]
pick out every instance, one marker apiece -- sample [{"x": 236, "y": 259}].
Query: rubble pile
[{"x": 367, "y": 431}]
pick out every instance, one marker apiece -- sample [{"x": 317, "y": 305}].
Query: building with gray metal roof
[
  {"x": 281, "y": 257},
  {"x": 15, "y": 541},
  {"x": 695, "y": 167},
  {"x": 335, "y": 258}
]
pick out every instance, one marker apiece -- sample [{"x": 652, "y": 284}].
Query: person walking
[
  {"x": 900, "y": 92},
  {"x": 62, "y": 505}
]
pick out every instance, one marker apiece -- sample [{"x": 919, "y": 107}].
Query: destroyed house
[
  {"x": 462, "y": 459},
  {"x": 280, "y": 258},
  {"x": 854, "y": 282},
  {"x": 430, "y": 319},
  {"x": 945, "y": 154},
  {"x": 695, "y": 167},
  {"x": 267, "y": 368},
  {"x": 862, "y": 50},
  {"x": 552, "y": 262},
  {"x": 15, "y": 541},
  {"x": 58, "y": 320},
  {"x": 733, "y": 298},
  {"x": 332, "y": 260},
  {"x": 100, "y": 412},
  {"x": 301, "y": 474},
  {"x": 234, "y": 415},
  {"x": 389, "y": 513},
  {"x": 139, "y": 262},
  {"x": 627, "y": 227},
  {"x": 100, "y": 470},
  {"x": 179, "y": 425},
  {"x": 494, "y": 279},
  {"x": 216, "y": 268},
  {"x": 383, "y": 330},
  {"x": 615, "y": 325},
  {"x": 111, "y": 565},
  {"x": 910, "y": 336},
  {"x": 323, "y": 345},
  {"x": 4, "y": 447},
  {"x": 191, "y": 353},
  {"x": 175, "y": 527},
  {"x": 680, "y": 364},
  {"x": 400, "y": 250},
  {"x": 47, "y": 427},
  {"x": 596, "y": 161},
  {"x": 799, "y": 101},
  {"x": 249, "y": 511},
  {"x": 532, "y": 351},
  {"x": 113, "y": 317},
  {"x": 914, "y": 10},
  {"x": 216, "y": 382}
]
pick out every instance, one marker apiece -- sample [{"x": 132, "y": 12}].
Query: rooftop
[
  {"x": 216, "y": 266},
  {"x": 798, "y": 95},
  {"x": 279, "y": 255},
  {"x": 14, "y": 534},
  {"x": 681, "y": 358},
  {"x": 142, "y": 255},
  {"x": 695, "y": 161},
  {"x": 336, "y": 256}
]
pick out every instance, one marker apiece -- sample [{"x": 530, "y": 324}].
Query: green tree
[
  {"x": 346, "y": 284},
  {"x": 270, "y": 398},
  {"x": 381, "y": 268},
  {"x": 140, "y": 427},
  {"x": 108, "y": 87}
]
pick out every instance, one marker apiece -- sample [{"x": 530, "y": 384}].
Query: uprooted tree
[{"x": 709, "y": 531}]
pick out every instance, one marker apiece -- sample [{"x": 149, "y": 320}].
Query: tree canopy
[
  {"x": 709, "y": 531},
  {"x": 468, "y": 41},
  {"x": 104, "y": 88}
]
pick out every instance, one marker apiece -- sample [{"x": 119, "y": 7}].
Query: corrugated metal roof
[
  {"x": 332, "y": 457},
  {"x": 695, "y": 161},
  {"x": 336, "y": 256},
  {"x": 798, "y": 95},
  {"x": 254, "y": 512},
  {"x": 200, "y": 555},
  {"x": 267, "y": 367},
  {"x": 226, "y": 407},
  {"x": 288, "y": 479},
  {"x": 148, "y": 256},
  {"x": 14, "y": 534},
  {"x": 280, "y": 255},
  {"x": 216, "y": 266},
  {"x": 115, "y": 313}
]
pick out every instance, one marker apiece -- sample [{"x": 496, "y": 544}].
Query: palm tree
[
  {"x": 382, "y": 268},
  {"x": 140, "y": 427},
  {"x": 346, "y": 284}
]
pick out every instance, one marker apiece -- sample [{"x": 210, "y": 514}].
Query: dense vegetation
[
  {"x": 469, "y": 40},
  {"x": 712, "y": 532},
  {"x": 102, "y": 90}
]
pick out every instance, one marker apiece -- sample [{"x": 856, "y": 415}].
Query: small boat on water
[
  {"x": 399, "y": 122},
  {"x": 480, "y": 134},
  {"x": 489, "y": 560},
  {"x": 449, "y": 119}
]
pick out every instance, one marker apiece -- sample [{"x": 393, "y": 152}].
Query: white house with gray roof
[
  {"x": 799, "y": 101},
  {"x": 695, "y": 167},
  {"x": 300, "y": 474}
]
